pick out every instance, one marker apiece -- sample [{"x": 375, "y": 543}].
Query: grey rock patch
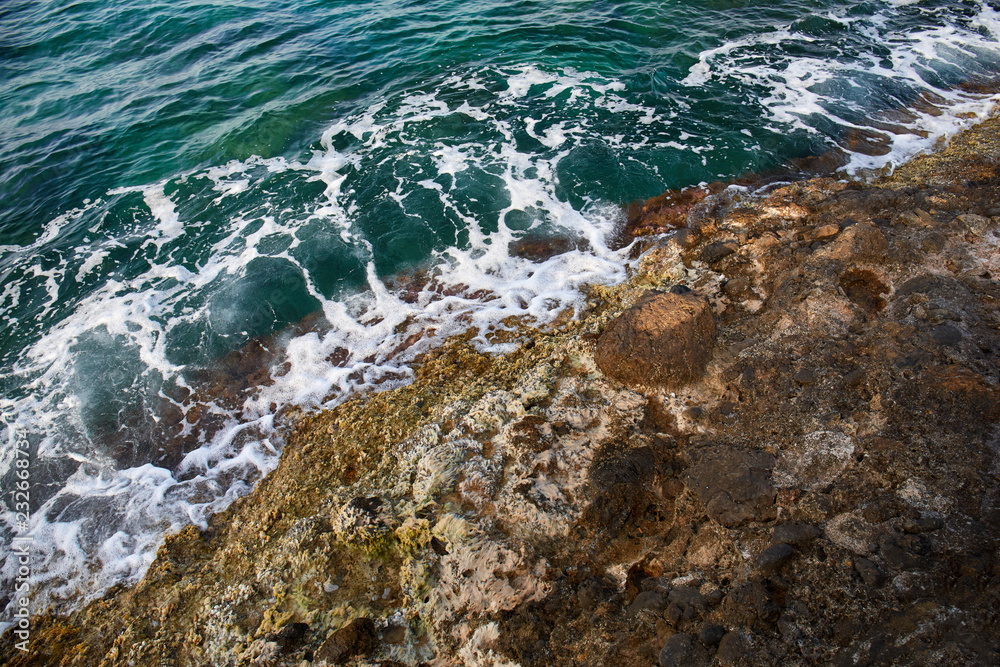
[{"x": 815, "y": 461}]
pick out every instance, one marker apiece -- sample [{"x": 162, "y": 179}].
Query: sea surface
[{"x": 213, "y": 210}]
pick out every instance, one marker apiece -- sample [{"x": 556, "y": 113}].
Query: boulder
[{"x": 664, "y": 340}]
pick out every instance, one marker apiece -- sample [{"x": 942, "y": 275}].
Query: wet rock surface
[{"x": 825, "y": 490}]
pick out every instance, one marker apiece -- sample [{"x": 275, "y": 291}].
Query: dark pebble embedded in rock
[
  {"x": 689, "y": 597},
  {"x": 288, "y": 636},
  {"x": 655, "y": 584},
  {"x": 711, "y": 634},
  {"x": 772, "y": 558},
  {"x": 855, "y": 378},
  {"x": 664, "y": 340},
  {"x": 356, "y": 638},
  {"x": 647, "y": 600},
  {"x": 868, "y": 572},
  {"x": 735, "y": 485},
  {"x": 674, "y": 613},
  {"x": 681, "y": 650},
  {"x": 714, "y": 252},
  {"x": 922, "y": 525},
  {"x": 805, "y": 376},
  {"x": 797, "y": 533},
  {"x": 714, "y": 597}
]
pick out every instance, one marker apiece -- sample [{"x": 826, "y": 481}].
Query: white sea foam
[{"x": 801, "y": 89}]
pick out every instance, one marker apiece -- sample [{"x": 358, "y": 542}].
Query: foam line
[{"x": 797, "y": 88}]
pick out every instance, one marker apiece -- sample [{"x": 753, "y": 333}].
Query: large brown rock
[{"x": 664, "y": 340}]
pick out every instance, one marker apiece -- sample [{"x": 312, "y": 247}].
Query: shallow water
[{"x": 181, "y": 179}]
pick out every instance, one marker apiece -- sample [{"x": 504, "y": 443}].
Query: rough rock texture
[
  {"x": 664, "y": 340},
  {"x": 734, "y": 485},
  {"x": 828, "y": 492}
]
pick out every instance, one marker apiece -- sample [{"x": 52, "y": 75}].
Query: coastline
[{"x": 529, "y": 509}]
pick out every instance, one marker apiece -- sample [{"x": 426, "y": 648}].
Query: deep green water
[{"x": 181, "y": 177}]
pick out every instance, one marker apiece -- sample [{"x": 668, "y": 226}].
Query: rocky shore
[{"x": 776, "y": 444}]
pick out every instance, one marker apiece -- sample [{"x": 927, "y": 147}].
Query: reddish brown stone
[
  {"x": 538, "y": 248},
  {"x": 664, "y": 340},
  {"x": 664, "y": 213},
  {"x": 866, "y": 142},
  {"x": 861, "y": 242}
]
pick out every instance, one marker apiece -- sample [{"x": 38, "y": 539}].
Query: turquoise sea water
[{"x": 330, "y": 178}]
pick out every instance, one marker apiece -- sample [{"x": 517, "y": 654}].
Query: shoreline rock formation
[{"x": 821, "y": 487}]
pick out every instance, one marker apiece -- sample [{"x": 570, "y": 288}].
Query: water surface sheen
[{"x": 181, "y": 178}]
